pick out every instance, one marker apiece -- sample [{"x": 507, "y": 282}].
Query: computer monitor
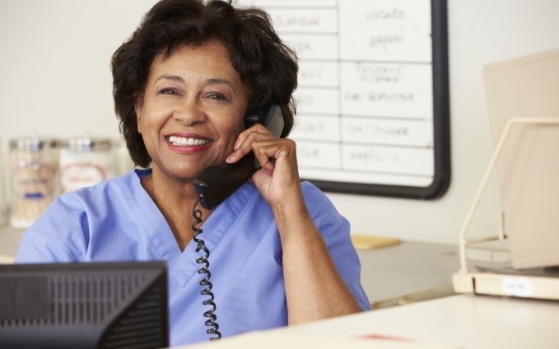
[{"x": 84, "y": 305}]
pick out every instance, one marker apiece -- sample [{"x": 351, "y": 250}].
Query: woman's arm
[{"x": 314, "y": 288}]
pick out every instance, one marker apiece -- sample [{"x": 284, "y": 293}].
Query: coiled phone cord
[{"x": 203, "y": 260}]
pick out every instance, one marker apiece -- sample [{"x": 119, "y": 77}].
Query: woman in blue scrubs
[{"x": 280, "y": 252}]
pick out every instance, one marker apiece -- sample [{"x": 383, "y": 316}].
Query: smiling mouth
[{"x": 175, "y": 140}]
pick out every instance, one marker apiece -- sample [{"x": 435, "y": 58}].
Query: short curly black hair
[{"x": 262, "y": 60}]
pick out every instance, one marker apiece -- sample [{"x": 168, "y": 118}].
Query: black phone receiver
[{"x": 216, "y": 183}]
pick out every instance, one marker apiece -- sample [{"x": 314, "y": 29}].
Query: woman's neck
[{"x": 175, "y": 201}]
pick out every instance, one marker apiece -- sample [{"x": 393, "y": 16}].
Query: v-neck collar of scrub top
[{"x": 182, "y": 265}]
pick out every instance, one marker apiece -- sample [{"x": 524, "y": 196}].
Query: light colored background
[{"x": 55, "y": 80}]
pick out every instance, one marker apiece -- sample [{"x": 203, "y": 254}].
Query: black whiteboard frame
[{"x": 441, "y": 125}]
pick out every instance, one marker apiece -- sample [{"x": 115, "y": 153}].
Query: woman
[{"x": 280, "y": 252}]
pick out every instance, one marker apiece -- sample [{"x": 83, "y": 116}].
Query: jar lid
[
  {"x": 32, "y": 143},
  {"x": 87, "y": 144}
]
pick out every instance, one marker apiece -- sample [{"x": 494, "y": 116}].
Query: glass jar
[
  {"x": 34, "y": 169},
  {"x": 122, "y": 161},
  {"x": 84, "y": 162}
]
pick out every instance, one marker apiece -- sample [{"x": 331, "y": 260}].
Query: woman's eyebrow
[
  {"x": 209, "y": 81},
  {"x": 170, "y": 77},
  {"x": 219, "y": 81}
]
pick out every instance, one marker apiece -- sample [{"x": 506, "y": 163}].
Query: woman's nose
[{"x": 189, "y": 113}]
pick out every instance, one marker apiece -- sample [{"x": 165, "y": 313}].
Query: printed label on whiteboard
[
  {"x": 300, "y": 3},
  {"x": 316, "y": 46},
  {"x": 386, "y": 30},
  {"x": 393, "y": 90},
  {"x": 318, "y": 155},
  {"x": 304, "y": 20},
  {"x": 318, "y": 128},
  {"x": 395, "y": 160},
  {"x": 388, "y": 132},
  {"x": 517, "y": 286},
  {"x": 324, "y": 74},
  {"x": 317, "y": 101}
]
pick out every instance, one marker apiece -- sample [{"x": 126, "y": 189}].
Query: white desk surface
[
  {"x": 459, "y": 321},
  {"x": 469, "y": 321}
]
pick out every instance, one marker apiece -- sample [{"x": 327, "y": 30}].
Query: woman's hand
[{"x": 278, "y": 179}]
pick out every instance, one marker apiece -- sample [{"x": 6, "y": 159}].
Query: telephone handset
[{"x": 216, "y": 183}]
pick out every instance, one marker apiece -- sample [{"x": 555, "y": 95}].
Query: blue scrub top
[{"x": 117, "y": 220}]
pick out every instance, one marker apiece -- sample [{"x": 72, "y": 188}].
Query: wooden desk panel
[{"x": 408, "y": 272}]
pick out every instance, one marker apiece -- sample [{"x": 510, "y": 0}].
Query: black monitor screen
[{"x": 84, "y": 305}]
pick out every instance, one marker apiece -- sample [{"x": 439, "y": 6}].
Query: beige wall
[{"x": 55, "y": 81}]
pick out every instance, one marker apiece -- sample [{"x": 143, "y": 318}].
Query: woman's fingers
[{"x": 250, "y": 140}]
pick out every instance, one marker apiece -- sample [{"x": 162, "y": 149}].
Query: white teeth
[{"x": 175, "y": 140}]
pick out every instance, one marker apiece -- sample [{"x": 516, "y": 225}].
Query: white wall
[{"x": 55, "y": 80}]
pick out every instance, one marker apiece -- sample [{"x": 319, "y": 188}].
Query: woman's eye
[
  {"x": 168, "y": 91},
  {"x": 216, "y": 95}
]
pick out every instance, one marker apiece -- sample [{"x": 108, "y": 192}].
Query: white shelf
[
  {"x": 485, "y": 262},
  {"x": 524, "y": 286}
]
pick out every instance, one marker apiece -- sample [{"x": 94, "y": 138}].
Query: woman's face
[{"x": 192, "y": 110}]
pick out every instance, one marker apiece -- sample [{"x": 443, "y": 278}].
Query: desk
[
  {"x": 463, "y": 321},
  {"x": 393, "y": 274}
]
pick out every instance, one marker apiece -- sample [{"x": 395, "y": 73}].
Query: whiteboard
[{"x": 372, "y": 98}]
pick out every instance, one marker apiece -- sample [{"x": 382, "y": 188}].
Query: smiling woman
[
  {"x": 195, "y": 97},
  {"x": 281, "y": 254}
]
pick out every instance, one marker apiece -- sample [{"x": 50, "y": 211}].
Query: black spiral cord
[{"x": 210, "y": 314}]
